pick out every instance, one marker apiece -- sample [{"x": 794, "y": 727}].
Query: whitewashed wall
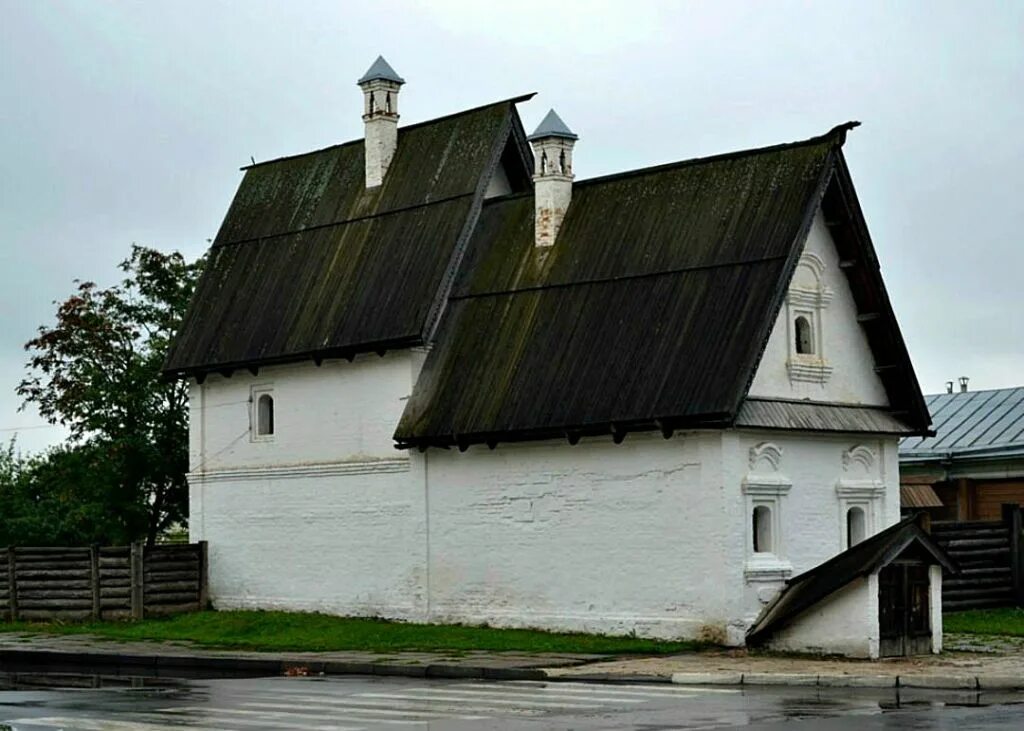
[
  {"x": 843, "y": 345},
  {"x": 327, "y": 515},
  {"x": 821, "y": 477},
  {"x": 845, "y": 623},
  {"x": 650, "y": 535},
  {"x": 596, "y": 537}
]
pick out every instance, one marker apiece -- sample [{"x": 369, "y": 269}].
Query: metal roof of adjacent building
[{"x": 974, "y": 424}]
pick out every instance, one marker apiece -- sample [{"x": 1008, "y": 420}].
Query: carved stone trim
[
  {"x": 811, "y": 371},
  {"x": 859, "y": 454},
  {"x": 767, "y": 452}
]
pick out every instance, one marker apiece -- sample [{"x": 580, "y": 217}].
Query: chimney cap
[
  {"x": 381, "y": 69},
  {"x": 552, "y": 126}
]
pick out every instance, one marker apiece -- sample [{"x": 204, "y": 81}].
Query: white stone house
[{"x": 435, "y": 378}]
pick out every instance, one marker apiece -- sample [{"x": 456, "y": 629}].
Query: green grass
[
  {"x": 1008, "y": 621},
  {"x": 293, "y": 631}
]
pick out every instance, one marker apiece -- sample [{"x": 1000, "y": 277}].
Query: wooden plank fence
[{"x": 108, "y": 582}]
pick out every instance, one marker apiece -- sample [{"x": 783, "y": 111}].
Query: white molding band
[
  {"x": 766, "y": 486},
  {"x": 860, "y": 489},
  {"x": 813, "y": 372},
  {"x": 287, "y": 472}
]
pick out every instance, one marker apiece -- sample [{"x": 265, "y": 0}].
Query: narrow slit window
[
  {"x": 762, "y": 529},
  {"x": 855, "y": 526},
  {"x": 804, "y": 343},
  {"x": 265, "y": 415}
]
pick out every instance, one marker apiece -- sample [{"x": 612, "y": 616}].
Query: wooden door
[{"x": 904, "y": 620}]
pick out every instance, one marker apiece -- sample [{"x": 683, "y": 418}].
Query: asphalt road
[{"x": 389, "y": 704}]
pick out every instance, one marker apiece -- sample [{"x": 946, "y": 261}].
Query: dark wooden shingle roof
[
  {"x": 309, "y": 263},
  {"x": 650, "y": 311}
]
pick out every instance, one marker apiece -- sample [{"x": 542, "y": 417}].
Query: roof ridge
[
  {"x": 837, "y": 135},
  {"x": 425, "y": 122}
]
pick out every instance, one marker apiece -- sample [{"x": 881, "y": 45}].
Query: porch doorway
[{"x": 903, "y": 616}]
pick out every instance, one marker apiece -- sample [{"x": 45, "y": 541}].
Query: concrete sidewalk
[{"x": 971, "y": 665}]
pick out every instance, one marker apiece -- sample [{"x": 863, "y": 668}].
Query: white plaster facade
[
  {"x": 651, "y": 536},
  {"x": 841, "y": 370},
  {"x": 845, "y": 623}
]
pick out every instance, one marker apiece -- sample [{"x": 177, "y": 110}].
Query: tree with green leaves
[{"x": 97, "y": 372}]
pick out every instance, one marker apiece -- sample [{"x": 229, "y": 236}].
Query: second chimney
[
  {"x": 380, "y": 85},
  {"x": 552, "y": 177}
]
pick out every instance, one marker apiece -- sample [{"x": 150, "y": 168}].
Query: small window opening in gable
[
  {"x": 265, "y": 415},
  {"x": 804, "y": 341},
  {"x": 856, "y": 526},
  {"x": 762, "y": 528}
]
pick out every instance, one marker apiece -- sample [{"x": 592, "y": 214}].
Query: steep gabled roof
[
  {"x": 310, "y": 264},
  {"x": 972, "y": 425},
  {"x": 652, "y": 309},
  {"x": 804, "y": 591}
]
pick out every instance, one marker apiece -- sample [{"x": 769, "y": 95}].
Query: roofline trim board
[
  {"x": 858, "y": 226},
  {"x": 618, "y": 430}
]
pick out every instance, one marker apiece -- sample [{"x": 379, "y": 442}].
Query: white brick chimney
[
  {"x": 552, "y": 176},
  {"x": 380, "y": 85}
]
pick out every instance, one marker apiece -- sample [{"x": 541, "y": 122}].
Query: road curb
[
  {"x": 158, "y": 665},
  {"x": 976, "y": 683}
]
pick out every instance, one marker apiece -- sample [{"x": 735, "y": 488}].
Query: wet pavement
[{"x": 97, "y": 703}]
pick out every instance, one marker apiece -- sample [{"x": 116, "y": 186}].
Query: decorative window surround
[
  {"x": 765, "y": 486},
  {"x": 859, "y": 488},
  {"x": 810, "y": 304},
  {"x": 255, "y": 393}
]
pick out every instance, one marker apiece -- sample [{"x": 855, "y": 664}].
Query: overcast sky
[{"x": 127, "y": 122}]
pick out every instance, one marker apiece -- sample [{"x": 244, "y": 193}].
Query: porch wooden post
[{"x": 204, "y": 576}]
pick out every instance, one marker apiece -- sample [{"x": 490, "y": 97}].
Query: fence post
[
  {"x": 138, "y": 575},
  {"x": 94, "y": 580},
  {"x": 1012, "y": 519},
  {"x": 12, "y": 585},
  {"x": 204, "y": 576}
]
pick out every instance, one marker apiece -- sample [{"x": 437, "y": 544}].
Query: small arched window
[
  {"x": 543, "y": 163},
  {"x": 387, "y": 102},
  {"x": 372, "y": 104},
  {"x": 561, "y": 163},
  {"x": 762, "y": 529},
  {"x": 265, "y": 415},
  {"x": 804, "y": 341},
  {"x": 856, "y": 526}
]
